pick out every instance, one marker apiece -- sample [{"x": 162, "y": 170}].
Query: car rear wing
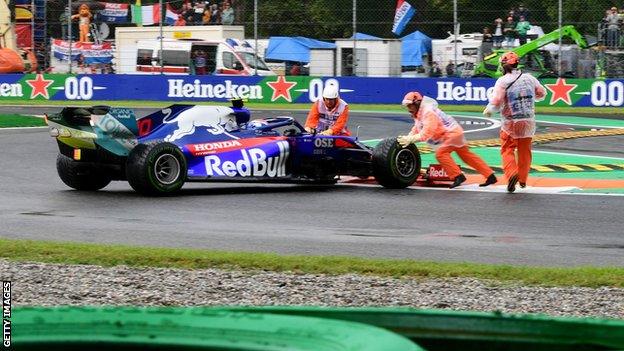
[{"x": 114, "y": 129}]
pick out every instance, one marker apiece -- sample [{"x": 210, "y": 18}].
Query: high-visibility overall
[
  {"x": 445, "y": 136},
  {"x": 321, "y": 118},
  {"x": 514, "y": 96}
]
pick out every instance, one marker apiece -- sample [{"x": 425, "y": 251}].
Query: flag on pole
[
  {"x": 136, "y": 13},
  {"x": 404, "y": 12},
  {"x": 145, "y": 15},
  {"x": 170, "y": 15}
]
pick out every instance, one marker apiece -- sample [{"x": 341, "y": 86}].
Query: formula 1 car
[{"x": 158, "y": 153}]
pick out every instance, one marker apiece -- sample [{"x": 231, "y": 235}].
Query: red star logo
[
  {"x": 39, "y": 86},
  {"x": 281, "y": 88},
  {"x": 561, "y": 91}
]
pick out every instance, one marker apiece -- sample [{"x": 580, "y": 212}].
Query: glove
[
  {"x": 405, "y": 140},
  {"x": 309, "y": 130},
  {"x": 327, "y": 132},
  {"x": 488, "y": 111}
]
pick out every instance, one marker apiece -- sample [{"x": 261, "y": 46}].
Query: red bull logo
[
  {"x": 436, "y": 172},
  {"x": 252, "y": 163}
]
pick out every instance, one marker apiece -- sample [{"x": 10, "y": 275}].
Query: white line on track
[
  {"x": 18, "y": 128},
  {"x": 500, "y": 189},
  {"x": 572, "y": 154},
  {"x": 579, "y": 125}
]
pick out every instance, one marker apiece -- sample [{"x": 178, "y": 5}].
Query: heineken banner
[{"x": 298, "y": 89}]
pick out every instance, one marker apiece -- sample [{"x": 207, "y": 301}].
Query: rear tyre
[
  {"x": 81, "y": 176},
  {"x": 156, "y": 168},
  {"x": 394, "y": 166}
]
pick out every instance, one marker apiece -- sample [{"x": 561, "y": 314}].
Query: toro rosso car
[{"x": 158, "y": 153}]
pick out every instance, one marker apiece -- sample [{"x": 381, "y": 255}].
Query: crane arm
[{"x": 490, "y": 62}]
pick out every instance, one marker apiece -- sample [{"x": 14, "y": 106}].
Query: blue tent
[
  {"x": 363, "y": 36},
  {"x": 413, "y": 47},
  {"x": 294, "y": 48}
]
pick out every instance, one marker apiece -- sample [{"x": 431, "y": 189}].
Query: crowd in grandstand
[
  {"x": 202, "y": 13},
  {"x": 503, "y": 34}
]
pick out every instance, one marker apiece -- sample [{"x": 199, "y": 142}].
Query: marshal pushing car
[{"x": 158, "y": 153}]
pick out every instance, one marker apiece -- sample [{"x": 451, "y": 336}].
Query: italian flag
[{"x": 145, "y": 15}]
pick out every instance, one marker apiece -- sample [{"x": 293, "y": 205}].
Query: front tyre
[
  {"x": 394, "y": 166},
  {"x": 156, "y": 168},
  {"x": 81, "y": 176}
]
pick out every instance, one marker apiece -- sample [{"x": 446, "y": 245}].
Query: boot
[
  {"x": 511, "y": 186},
  {"x": 491, "y": 179},
  {"x": 458, "y": 181}
]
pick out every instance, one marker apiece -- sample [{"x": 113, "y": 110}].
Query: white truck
[
  {"x": 222, "y": 57},
  {"x": 227, "y": 53}
]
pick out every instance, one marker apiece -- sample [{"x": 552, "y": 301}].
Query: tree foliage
[{"x": 327, "y": 19}]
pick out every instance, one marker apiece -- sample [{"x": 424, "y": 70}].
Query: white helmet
[{"x": 330, "y": 91}]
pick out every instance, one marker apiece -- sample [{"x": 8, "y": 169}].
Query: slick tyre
[
  {"x": 191, "y": 329},
  {"x": 394, "y": 166},
  {"x": 80, "y": 176},
  {"x": 156, "y": 168}
]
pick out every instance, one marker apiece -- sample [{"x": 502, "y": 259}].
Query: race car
[{"x": 158, "y": 153}]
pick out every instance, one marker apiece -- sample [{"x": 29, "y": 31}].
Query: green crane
[{"x": 490, "y": 65}]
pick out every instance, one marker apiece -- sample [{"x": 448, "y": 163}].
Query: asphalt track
[{"x": 423, "y": 224}]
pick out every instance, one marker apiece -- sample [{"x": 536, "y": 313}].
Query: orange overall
[
  {"x": 321, "y": 118},
  {"x": 445, "y": 135},
  {"x": 514, "y": 95}
]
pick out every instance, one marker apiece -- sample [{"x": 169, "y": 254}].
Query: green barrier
[
  {"x": 84, "y": 328},
  {"x": 450, "y": 330}
]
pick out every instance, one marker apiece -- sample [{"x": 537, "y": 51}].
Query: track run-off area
[{"x": 547, "y": 224}]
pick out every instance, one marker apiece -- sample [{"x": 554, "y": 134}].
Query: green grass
[
  {"x": 15, "y": 120},
  {"x": 361, "y": 107},
  {"x": 112, "y": 255}
]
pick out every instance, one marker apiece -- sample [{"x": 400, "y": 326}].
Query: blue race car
[{"x": 158, "y": 153}]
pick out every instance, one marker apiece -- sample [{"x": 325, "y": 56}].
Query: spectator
[
  {"x": 435, "y": 70},
  {"x": 613, "y": 27},
  {"x": 199, "y": 61},
  {"x": 512, "y": 13},
  {"x": 198, "y": 13},
  {"x": 187, "y": 13},
  {"x": 522, "y": 12},
  {"x": 486, "y": 45},
  {"x": 180, "y": 21},
  {"x": 522, "y": 28},
  {"x": 509, "y": 31},
  {"x": 450, "y": 69},
  {"x": 215, "y": 16},
  {"x": 227, "y": 14},
  {"x": 64, "y": 19},
  {"x": 497, "y": 38},
  {"x": 206, "y": 17},
  {"x": 295, "y": 70}
]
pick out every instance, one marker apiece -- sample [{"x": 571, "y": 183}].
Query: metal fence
[{"x": 493, "y": 24}]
